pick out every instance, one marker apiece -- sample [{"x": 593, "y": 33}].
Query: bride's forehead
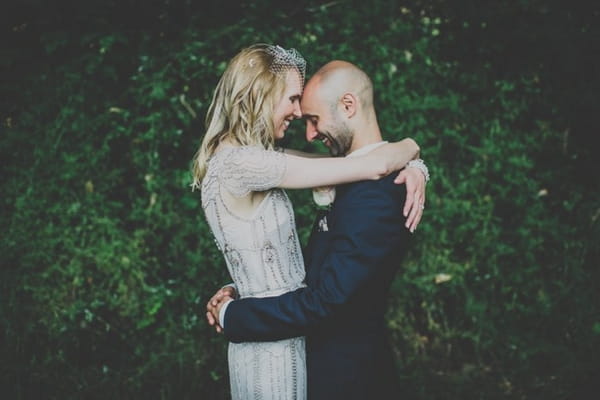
[
  {"x": 293, "y": 78},
  {"x": 293, "y": 84}
]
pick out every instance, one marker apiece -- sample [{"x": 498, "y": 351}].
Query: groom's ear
[{"x": 349, "y": 104}]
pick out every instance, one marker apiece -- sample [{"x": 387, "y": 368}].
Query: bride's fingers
[
  {"x": 418, "y": 219},
  {"x": 410, "y": 199},
  {"x": 414, "y": 215},
  {"x": 411, "y": 212}
]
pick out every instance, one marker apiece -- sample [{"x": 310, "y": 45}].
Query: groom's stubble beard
[{"x": 340, "y": 139}]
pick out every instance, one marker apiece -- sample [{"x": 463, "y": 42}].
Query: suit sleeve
[{"x": 368, "y": 229}]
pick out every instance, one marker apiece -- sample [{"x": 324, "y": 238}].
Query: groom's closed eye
[{"x": 311, "y": 118}]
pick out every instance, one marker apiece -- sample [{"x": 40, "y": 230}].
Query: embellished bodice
[{"x": 262, "y": 251}]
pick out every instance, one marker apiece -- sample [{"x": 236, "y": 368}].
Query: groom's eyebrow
[{"x": 310, "y": 116}]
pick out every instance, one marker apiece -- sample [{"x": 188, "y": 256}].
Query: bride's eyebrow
[{"x": 295, "y": 97}]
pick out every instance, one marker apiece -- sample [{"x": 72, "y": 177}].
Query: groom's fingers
[
  {"x": 209, "y": 317},
  {"x": 213, "y": 322},
  {"x": 215, "y": 318},
  {"x": 210, "y": 308},
  {"x": 216, "y": 298},
  {"x": 228, "y": 291}
]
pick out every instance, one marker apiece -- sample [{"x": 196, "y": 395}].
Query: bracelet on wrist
[{"x": 420, "y": 165}]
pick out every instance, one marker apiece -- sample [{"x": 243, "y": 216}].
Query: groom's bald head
[
  {"x": 337, "y": 78},
  {"x": 337, "y": 105}
]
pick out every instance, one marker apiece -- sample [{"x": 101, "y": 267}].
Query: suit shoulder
[{"x": 383, "y": 185}]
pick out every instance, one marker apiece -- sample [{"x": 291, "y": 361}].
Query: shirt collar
[{"x": 365, "y": 149}]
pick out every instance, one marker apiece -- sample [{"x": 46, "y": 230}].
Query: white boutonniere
[{"x": 324, "y": 196}]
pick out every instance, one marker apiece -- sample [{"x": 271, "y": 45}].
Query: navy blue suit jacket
[{"x": 349, "y": 269}]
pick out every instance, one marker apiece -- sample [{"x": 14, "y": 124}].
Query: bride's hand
[{"x": 415, "y": 195}]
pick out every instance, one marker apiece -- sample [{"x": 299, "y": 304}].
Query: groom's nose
[{"x": 311, "y": 131}]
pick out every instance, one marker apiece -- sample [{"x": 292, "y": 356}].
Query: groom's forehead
[
  {"x": 310, "y": 108},
  {"x": 309, "y": 97},
  {"x": 312, "y": 105}
]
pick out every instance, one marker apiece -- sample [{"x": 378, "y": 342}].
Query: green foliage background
[{"x": 106, "y": 261}]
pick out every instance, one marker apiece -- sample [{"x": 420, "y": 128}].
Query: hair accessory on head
[{"x": 284, "y": 59}]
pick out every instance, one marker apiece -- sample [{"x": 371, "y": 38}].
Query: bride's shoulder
[{"x": 228, "y": 151}]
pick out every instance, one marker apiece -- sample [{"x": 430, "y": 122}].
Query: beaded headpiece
[{"x": 284, "y": 59}]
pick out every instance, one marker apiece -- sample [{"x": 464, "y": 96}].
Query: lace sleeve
[{"x": 252, "y": 169}]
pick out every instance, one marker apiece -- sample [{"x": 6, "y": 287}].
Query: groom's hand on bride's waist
[
  {"x": 214, "y": 305},
  {"x": 213, "y": 313}
]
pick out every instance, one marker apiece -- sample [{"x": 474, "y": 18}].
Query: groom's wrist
[{"x": 222, "y": 313}]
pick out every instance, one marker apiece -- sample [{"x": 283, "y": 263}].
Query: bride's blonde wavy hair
[{"x": 244, "y": 101}]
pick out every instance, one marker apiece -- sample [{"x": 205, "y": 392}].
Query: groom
[{"x": 352, "y": 256}]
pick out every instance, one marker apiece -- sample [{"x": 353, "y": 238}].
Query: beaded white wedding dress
[{"x": 264, "y": 258}]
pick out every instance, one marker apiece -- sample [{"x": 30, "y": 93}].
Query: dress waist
[{"x": 270, "y": 292}]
